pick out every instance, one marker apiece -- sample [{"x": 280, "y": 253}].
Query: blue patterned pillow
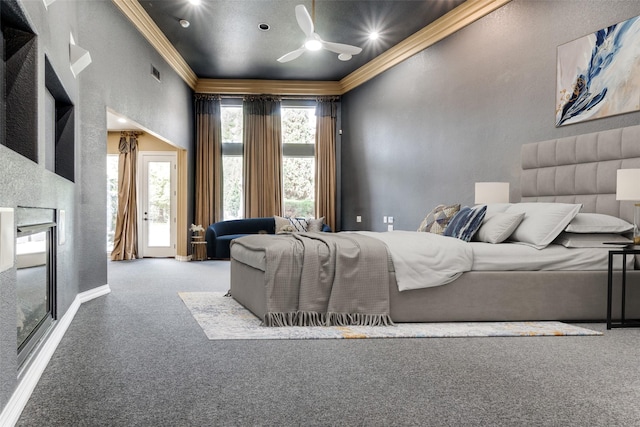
[{"x": 466, "y": 222}]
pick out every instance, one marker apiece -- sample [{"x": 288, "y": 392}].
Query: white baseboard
[
  {"x": 183, "y": 258},
  {"x": 11, "y": 413}
]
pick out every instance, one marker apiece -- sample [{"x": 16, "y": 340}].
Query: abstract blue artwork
[{"x": 598, "y": 75}]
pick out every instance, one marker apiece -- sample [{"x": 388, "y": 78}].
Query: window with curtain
[
  {"x": 232, "y": 195},
  {"x": 298, "y": 147},
  {"x": 298, "y": 166}
]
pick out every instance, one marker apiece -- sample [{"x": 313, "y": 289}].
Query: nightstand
[
  {"x": 623, "y": 322},
  {"x": 198, "y": 248}
]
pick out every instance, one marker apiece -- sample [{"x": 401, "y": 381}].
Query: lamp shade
[
  {"x": 492, "y": 192},
  {"x": 628, "y": 184}
]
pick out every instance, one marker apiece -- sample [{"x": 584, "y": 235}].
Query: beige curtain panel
[
  {"x": 208, "y": 171},
  {"x": 125, "y": 241},
  {"x": 262, "y": 157},
  {"x": 325, "y": 150}
]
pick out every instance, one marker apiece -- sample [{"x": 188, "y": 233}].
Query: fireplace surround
[{"x": 35, "y": 276}]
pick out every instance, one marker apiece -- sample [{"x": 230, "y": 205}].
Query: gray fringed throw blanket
[{"x": 324, "y": 279}]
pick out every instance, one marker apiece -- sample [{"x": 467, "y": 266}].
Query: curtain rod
[{"x": 283, "y": 97}]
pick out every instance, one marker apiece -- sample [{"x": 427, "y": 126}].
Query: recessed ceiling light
[
  {"x": 121, "y": 120},
  {"x": 373, "y": 35},
  {"x": 264, "y": 27},
  {"x": 184, "y": 23},
  {"x": 196, "y": 2}
]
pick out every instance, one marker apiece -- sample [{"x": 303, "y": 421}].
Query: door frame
[{"x": 143, "y": 250}]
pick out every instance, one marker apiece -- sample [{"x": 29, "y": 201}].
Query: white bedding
[
  {"x": 423, "y": 260},
  {"x": 512, "y": 256}
]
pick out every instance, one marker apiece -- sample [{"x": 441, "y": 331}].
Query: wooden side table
[
  {"x": 198, "y": 248},
  {"x": 623, "y": 322}
]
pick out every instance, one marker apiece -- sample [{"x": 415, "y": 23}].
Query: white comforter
[{"x": 423, "y": 260}]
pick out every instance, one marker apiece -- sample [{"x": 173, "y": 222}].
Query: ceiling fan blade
[
  {"x": 341, "y": 48},
  {"x": 291, "y": 55},
  {"x": 304, "y": 20}
]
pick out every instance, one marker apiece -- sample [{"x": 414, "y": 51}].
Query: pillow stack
[
  {"x": 592, "y": 230},
  {"x": 532, "y": 224}
]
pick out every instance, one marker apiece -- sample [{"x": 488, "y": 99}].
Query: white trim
[
  {"x": 11, "y": 412},
  {"x": 183, "y": 258}
]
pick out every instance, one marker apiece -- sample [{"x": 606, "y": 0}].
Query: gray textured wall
[
  {"x": 118, "y": 78},
  {"x": 423, "y": 132}
]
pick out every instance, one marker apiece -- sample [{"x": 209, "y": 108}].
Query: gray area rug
[{"x": 223, "y": 318}]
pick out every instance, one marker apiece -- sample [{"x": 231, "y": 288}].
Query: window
[
  {"x": 231, "y": 118},
  {"x": 298, "y": 163}
]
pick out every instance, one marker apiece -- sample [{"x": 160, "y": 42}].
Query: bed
[{"x": 579, "y": 170}]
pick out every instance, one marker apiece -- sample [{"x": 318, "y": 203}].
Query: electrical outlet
[
  {"x": 358, "y": 218},
  {"x": 390, "y": 220},
  {"x": 390, "y": 227}
]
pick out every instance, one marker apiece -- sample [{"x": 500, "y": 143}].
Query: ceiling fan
[{"x": 314, "y": 42}]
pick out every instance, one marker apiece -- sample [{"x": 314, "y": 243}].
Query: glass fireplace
[{"x": 36, "y": 276}]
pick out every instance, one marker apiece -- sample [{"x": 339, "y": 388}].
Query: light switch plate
[{"x": 7, "y": 238}]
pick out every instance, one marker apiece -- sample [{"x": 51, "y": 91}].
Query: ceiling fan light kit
[
  {"x": 313, "y": 44},
  {"x": 314, "y": 41}
]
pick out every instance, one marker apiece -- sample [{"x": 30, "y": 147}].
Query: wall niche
[
  {"x": 19, "y": 92},
  {"x": 59, "y": 126}
]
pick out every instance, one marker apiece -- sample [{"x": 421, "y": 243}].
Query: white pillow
[
  {"x": 542, "y": 222},
  {"x": 497, "y": 227},
  {"x": 598, "y": 223},
  {"x": 592, "y": 240},
  {"x": 496, "y": 208}
]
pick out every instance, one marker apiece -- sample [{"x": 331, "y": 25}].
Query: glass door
[{"x": 157, "y": 204}]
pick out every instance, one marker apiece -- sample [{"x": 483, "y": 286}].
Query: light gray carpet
[{"x": 138, "y": 358}]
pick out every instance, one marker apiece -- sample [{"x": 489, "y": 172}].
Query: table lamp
[
  {"x": 492, "y": 192},
  {"x": 628, "y": 188}
]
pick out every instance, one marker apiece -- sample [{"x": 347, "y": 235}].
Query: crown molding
[
  {"x": 458, "y": 18},
  {"x": 272, "y": 87},
  {"x": 143, "y": 22}
]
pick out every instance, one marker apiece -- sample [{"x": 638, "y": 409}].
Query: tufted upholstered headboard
[{"x": 581, "y": 169}]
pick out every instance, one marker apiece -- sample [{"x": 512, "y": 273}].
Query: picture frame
[{"x": 598, "y": 75}]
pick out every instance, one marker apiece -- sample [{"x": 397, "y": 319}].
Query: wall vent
[{"x": 155, "y": 73}]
